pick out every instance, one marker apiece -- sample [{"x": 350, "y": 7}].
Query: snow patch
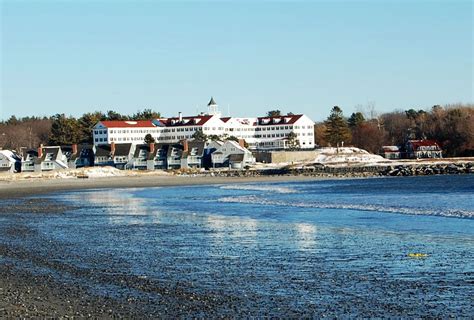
[{"x": 346, "y": 155}]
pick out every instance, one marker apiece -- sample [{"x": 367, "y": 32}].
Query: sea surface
[{"x": 315, "y": 248}]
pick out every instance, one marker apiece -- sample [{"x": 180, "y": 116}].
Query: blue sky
[{"x": 79, "y": 56}]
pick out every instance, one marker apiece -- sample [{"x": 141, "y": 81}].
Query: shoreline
[
  {"x": 30, "y": 184},
  {"x": 25, "y": 188}
]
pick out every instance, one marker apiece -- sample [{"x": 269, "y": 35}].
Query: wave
[
  {"x": 456, "y": 213},
  {"x": 265, "y": 188}
]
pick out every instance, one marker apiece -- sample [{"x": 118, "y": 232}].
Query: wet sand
[
  {"x": 25, "y": 294},
  {"x": 23, "y": 188},
  {"x": 37, "y": 278}
]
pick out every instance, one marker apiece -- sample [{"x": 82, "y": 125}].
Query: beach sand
[{"x": 23, "y": 188}]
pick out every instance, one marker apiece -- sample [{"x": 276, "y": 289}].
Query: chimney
[
  {"x": 242, "y": 143},
  {"x": 74, "y": 148},
  {"x": 180, "y": 116},
  {"x": 112, "y": 148},
  {"x": 40, "y": 151},
  {"x": 185, "y": 145},
  {"x": 152, "y": 148}
]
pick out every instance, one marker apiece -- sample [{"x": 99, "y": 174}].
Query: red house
[{"x": 420, "y": 149}]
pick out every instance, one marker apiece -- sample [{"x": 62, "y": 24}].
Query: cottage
[
  {"x": 43, "y": 159},
  {"x": 9, "y": 161},
  {"x": 419, "y": 149},
  {"x": 174, "y": 156},
  {"x": 158, "y": 156},
  {"x": 50, "y": 158},
  {"x": 209, "y": 149},
  {"x": 79, "y": 156},
  {"x": 28, "y": 159},
  {"x": 141, "y": 156},
  {"x": 115, "y": 155},
  {"x": 193, "y": 154},
  {"x": 233, "y": 155},
  {"x": 391, "y": 152}
]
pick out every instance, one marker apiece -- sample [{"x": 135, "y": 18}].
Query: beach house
[
  {"x": 174, "y": 156},
  {"x": 28, "y": 159},
  {"x": 419, "y": 149},
  {"x": 9, "y": 161},
  {"x": 193, "y": 154},
  {"x": 45, "y": 158},
  {"x": 232, "y": 154},
  {"x": 50, "y": 158},
  {"x": 117, "y": 155},
  {"x": 79, "y": 156},
  {"x": 157, "y": 157},
  {"x": 391, "y": 152}
]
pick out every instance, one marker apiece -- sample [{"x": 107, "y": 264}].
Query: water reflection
[
  {"x": 306, "y": 236},
  {"x": 235, "y": 229},
  {"x": 121, "y": 206}
]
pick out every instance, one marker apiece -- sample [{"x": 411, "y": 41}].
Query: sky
[{"x": 79, "y": 56}]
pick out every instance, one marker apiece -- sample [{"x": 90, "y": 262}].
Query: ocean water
[{"x": 314, "y": 248}]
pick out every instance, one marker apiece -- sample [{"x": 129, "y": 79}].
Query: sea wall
[
  {"x": 284, "y": 156},
  {"x": 428, "y": 169},
  {"x": 361, "y": 171}
]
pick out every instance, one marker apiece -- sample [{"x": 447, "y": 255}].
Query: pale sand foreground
[{"x": 22, "y": 188}]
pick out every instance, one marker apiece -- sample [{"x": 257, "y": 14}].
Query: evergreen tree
[
  {"x": 356, "y": 119},
  {"x": 274, "y": 113},
  {"x": 146, "y": 114},
  {"x": 232, "y": 138},
  {"x": 213, "y": 137},
  {"x": 199, "y": 136},
  {"x": 86, "y": 123},
  {"x": 112, "y": 115},
  {"x": 149, "y": 139},
  {"x": 64, "y": 130},
  {"x": 293, "y": 142},
  {"x": 337, "y": 130}
]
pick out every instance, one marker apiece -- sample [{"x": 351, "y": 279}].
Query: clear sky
[{"x": 305, "y": 57}]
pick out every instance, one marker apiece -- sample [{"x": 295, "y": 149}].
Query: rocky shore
[
  {"x": 352, "y": 171},
  {"x": 426, "y": 170}
]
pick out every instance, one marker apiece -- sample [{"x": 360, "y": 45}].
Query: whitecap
[
  {"x": 264, "y": 188},
  {"x": 252, "y": 199}
]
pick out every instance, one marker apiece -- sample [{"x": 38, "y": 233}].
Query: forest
[{"x": 452, "y": 126}]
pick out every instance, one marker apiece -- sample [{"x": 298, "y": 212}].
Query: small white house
[
  {"x": 50, "y": 158},
  {"x": 43, "y": 159},
  {"x": 233, "y": 155},
  {"x": 28, "y": 159},
  {"x": 9, "y": 161}
]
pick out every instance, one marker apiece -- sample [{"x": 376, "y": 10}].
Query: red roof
[
  {"x": 390, "y": 148},
  {"x": 191, "y": 121},
  {"x": 186, "y": 121},
  {"x": 167, "y": 122},
  {"x": 423, "y": 143},
  {"x": 292, "y": 119},
  {"x": 128, "y": 124}
]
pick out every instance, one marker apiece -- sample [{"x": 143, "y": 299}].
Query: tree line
[
  {"x": 452, "y": 126},
  {"x": 59, "y": 129}
]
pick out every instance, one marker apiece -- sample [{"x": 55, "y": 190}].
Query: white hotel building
[{"x": 260, "y": 133}]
